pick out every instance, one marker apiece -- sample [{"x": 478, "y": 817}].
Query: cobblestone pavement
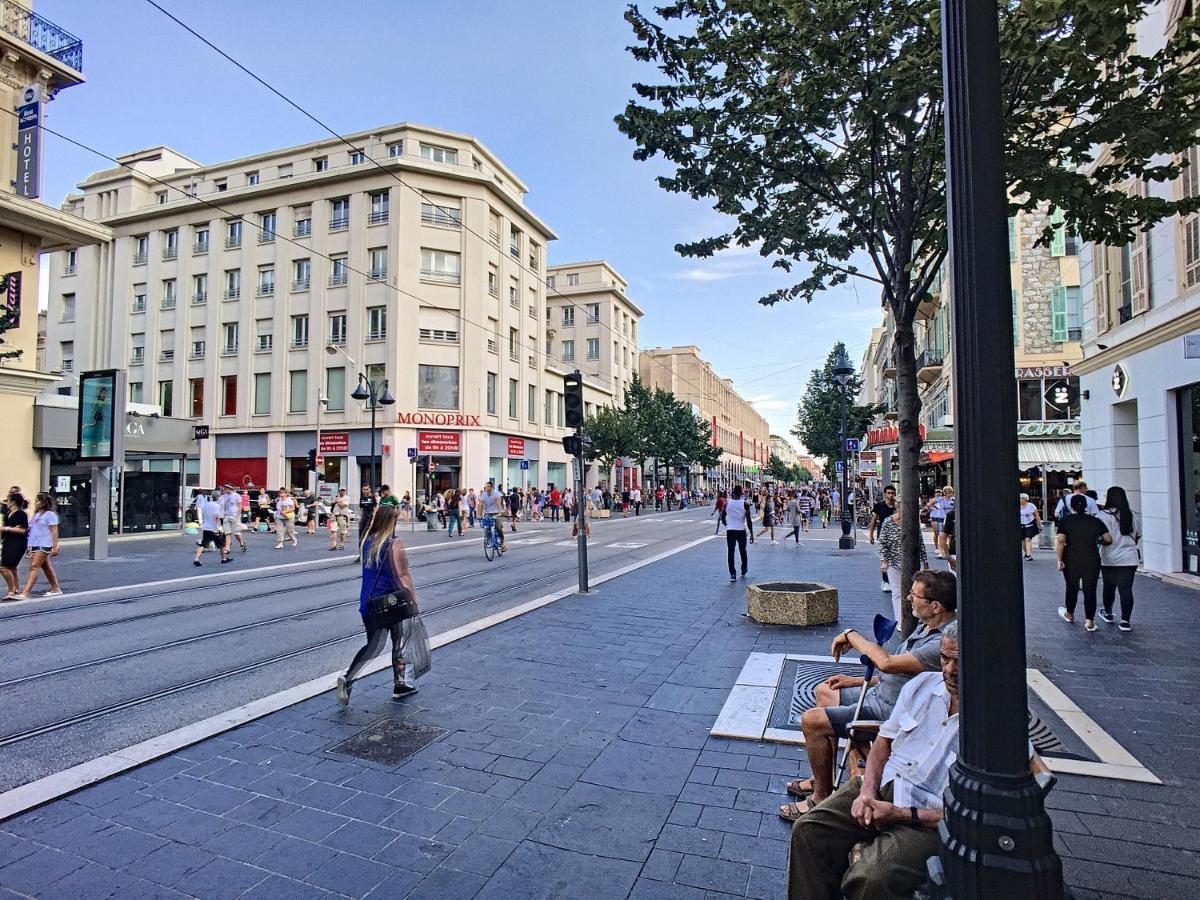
[{"x": 577, "y": 761}]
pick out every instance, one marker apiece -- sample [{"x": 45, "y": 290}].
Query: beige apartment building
[
  {"x": 253, "y": 295},
  {"x": 37, "y": 60},
  {"x": 592, "y": 326},
  {"x": 738, "y": 429}
]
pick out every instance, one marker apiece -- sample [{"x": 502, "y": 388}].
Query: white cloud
[
  {"x": 699, "y": 274},
  {"x": 770, "y": 403}
]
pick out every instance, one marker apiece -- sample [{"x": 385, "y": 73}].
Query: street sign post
[
  {"x": 852, "y": 445},
  {"x": 412, "y": 452},
  {"x": 320, "y": 460},
  {"x": 524, "y": 464}
]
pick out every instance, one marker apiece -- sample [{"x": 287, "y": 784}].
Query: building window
[
  {"x": 166, "y": 345},
  {"x": 492, "y": 288},
  {"x": 168, "y": 293},
  {"x": 266, "y": 282},
  {"x": 337, "y": 328},
  {"x": 439, "y": 154},
  {"x": 339, "y": 213},
  {"x": 321, "y": 164},
  {"x": 166, "y": 392},
  {"x": 171, "y": 243},
  {"x": 141, "y": 249},
  {"x": 395, "y": 149},
  {"x": 572, "y": 279},
  {"x": 1012, "y": 238},
  {"x": 199, "y": 289},
  {"x": 229, "y": 395},
  {"x": 139, "y": 298},
  {"x": 513, "y": 297},
  {"x": 297, "y": 390},
  {"x": 568, "y": 351},
  {"x": 491, "y": 393},
  {"x": 266, "y": 227},
  {"x": 440, "y": 265},
  {"x": 593, "y": 313},
  {"x": 221, "y": 185},
  {"x": 531, "y": 403},
  {"x": 512, "y": 398},
  {"x": 380, "y": 207},
  {"x": 233, "y": 284},
  {"x": 437, "y": 387},
  {"x": 593, "y": 348},
  {"x": 198, "y": 344},
  {"x": 568, "y": 316},
  {"x": 262, "y": 393},
  {"x": 378, "y": 259},
  {"x": 376, "y": 323},
  {"x": 301, "y": 274},
  {"x": 357, "y": 157},
  {"x": 338, "y": 268},
  {"x": 137, "y": 348},
  {"x": 548, "y": 410},
  {"x": 233, "y": 234},
  {"x": 299, "y": 331},
  {"x": 335, "y": 389},
  {"x": 135, "y": 392},
  {"x": 229, "y": 338},
  {"x": 265, "y": 336},
  {"x": 68, "y": 308},
  {"x": 1074, "y": 314},
  {"x": 550, "y": 279},
  {"x": 200, "y": 244},
  {"x": 376, "y": 376},
  {"x": 66, "y": 353},
  {"x": 161, "y": 197},
  {"x": 252, "y": 178},
  {"x": 514, "y": 343},
  {"x": 285, "y": 171},
  {"x": 441, "y": 214},
  {"x": 302, "y": 220},
  {"x": 196, "y": 398}
]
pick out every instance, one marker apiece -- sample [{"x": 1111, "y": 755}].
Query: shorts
[
  {"x": 230, "y": 524},
  {"x": 840, "y": 717},
  {"x": 212, "y": 539},
  {"x": 768, "y": 521},
  {"x": 343, "y": 525},
  {"x": 936, "y": 524}
]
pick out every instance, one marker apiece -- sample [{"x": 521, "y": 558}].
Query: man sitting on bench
[
  {"x": 896, "y": 804},
  {"x": 934, "y": 602}
]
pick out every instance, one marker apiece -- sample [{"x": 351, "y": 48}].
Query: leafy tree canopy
[{"x": 819, "y": 418}]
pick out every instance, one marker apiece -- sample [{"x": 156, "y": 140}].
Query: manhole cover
[{"x": 389, "y": 741}]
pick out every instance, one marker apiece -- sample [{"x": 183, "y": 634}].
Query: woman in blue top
[{"x": 384, "y": 571}]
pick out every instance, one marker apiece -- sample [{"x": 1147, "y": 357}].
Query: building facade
[
  {"x": 738, "y": 429},
  {"x": 37, "y": 60},
  {"x": 252, "y": 296}
]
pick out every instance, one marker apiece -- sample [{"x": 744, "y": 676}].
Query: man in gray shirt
[{"x": 934, "y": 597}]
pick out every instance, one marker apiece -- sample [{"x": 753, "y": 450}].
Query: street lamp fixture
[
  {"x": 366, "y": 390},
  {"x": 843, "y": 371}
]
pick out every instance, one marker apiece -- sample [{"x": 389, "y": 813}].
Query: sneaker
[
  {"x": 1106, "y": 616},
  {"x": 1124, "y": 626},
  {"x": 244, "y": 548},
  {"x": 403, "y": 690},
  {"x": 21, "y": 596},
  {"x": 1090, "y": 625},
  {"x": 226, "y": 559},
  {"x": 343, "y": 690},
  {"x": 57, "y": 593},
  {"x": 733, "y": 579},
  {"x": 885, "y": 587},
  {"x": 1066, "y": 616},
  {"x": 196, "y": 563}
]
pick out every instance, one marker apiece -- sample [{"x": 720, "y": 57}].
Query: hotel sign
[
  {"x": 29, "y": 142},
  {"x": 457, "y": 420}
]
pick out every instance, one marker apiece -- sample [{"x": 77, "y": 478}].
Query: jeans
[
  {"x": 736, "y": 537},
  {"x": 1119, "y": 578},
  {"x": 795, "y": 533},
  {"x": 455, "y": 520},
  {"x": 471, "y": 517},
  {"x": 376, "y": 638},
  {"x": 1087, "y": 578},
  {"x": 554, "y": 512}
]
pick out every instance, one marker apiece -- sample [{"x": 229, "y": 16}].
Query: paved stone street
[{"x": 577, "y": 761}]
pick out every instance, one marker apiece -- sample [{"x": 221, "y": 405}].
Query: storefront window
[
  {"x": 1189, "y": 474},
  {"x": 1029, "y": 400},
  {"x": 1047, "y": 399}
]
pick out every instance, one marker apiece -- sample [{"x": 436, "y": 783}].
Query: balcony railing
[
  {"x": 68, "y": 270},
  {"x": 197, "y": 351},
  {"x": 41, "y": 34},
  {"x": 233, "y": 242},
  {"x": 266, "y": 237},
  {"x": 167, "y": 303},
  {"x": 139, "y": 305},
  {"x": 166, "y": 355},
  {"x": 337, "y": 280},
  {"x": 931, "y": 359},
  {"x": 139, "y": 258},
  {"x": 199, "y": 298},
  {"x": 379, "y": 274},
  {"x": 232, "y": 293},
  {"x": 265, "y": 290},
  {"x": 377, "y": 217},
  {"x": 444, "y": 277},
  {"x": 170, "y": 252},
  {"x": 200, "y": 247},
  {"x": 339, "y": 223},
  {"x": 300, "y": 284}
]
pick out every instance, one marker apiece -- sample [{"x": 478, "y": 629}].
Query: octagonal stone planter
[{"x": 792, "y": 603}]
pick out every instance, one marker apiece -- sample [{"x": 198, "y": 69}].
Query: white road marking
[{"x": 631, "y": 545}]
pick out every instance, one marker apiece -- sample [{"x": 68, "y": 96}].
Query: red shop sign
[
  {"x": 516, "y": 447},
  {"x": 439, "y": 442},
  {"x": 334, "y": 442},
  {"x": 889, "y": 434}
]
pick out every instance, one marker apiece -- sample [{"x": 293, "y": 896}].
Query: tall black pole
[
  {"x": 996, "y": 836},
  {"x": 845, "y": 542},
  {"x": 374, "y": 405}
]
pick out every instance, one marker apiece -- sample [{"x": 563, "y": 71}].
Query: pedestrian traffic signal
[
  {"x": 573, "y": 445},
  {"x": 312, "y": 460},
  {"x": 573, "y": 398}
]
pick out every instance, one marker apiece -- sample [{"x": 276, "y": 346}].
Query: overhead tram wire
[{"x": 332, "y": 131}]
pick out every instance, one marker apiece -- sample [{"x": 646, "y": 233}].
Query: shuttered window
[
  {"x": 1100, "y": 286},
  {"x": 1058, "y": 313}
]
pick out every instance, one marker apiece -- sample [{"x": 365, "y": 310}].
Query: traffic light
[
  {"x": 573, "y": 445},
  {"x": 573, "y": 399},
  {"x": 312, "y": 460}
]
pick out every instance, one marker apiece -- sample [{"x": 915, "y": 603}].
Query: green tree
[
  {"x": 610, "y": 435},
  {"x": 818, "y": 126},
  {"x": 819, "y": 417}
]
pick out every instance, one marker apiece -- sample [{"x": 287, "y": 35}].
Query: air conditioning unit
[{"x": 947, "y": 421}]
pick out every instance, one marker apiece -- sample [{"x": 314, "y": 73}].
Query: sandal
[
  {"x": 790, "y": 812},
  {"x": 1067, "y": 617},
  {"x": 801, "y": 787}
]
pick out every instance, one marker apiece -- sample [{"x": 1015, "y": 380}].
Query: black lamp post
[
  {"x": 366, "y": 391},
  {"x": 842, "y": 373},
  {"x": 996, "y": 836}
]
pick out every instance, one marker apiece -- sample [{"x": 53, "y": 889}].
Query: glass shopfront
[{"x": 1189, "y": 475}]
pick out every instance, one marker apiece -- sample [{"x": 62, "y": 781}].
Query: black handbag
[{"x": 386, "y": 610}]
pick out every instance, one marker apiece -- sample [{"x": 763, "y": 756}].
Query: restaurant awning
[{"x": 1055, "y": 454}]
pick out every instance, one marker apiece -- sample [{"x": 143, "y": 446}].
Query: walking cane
[{"x": 883, "y": 628}]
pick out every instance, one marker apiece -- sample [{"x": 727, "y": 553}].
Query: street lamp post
[
  {"x": 996, "y": 837},
  {"x": 842, "y": 372},
  {"x": 367, "y": 390}
]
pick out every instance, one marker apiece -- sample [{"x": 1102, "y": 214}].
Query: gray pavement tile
[
  {"x": 42, "y": 819},
  {"x": 243, "y": 842},
  {"x": 542, "y": 753},
  {"x": 151, "y": 816},
  {"x": 445, "y": 883},
  {"x": 770, "y": 884},
  {"x": 647, "y": 889},
  {"x": 223, "y": 878},
  {"x": 504, "y": 787},
  {"x": 514, "y": 768},
  {"x": 236, "y": 774},
  {"x": 206, "y": 766},
  {"x": 511, "y": 823},
  {"x": 370, "y": 808},
  {"x": 661, "y": 865},
  {"x": 1167, "y": 860},
  {"x": 468, "y": 780},
  {"x": 717, "y": 818},
  {"x": 397, "y": 884},
  {"x": 276, "y": 887},
  {"x": 474, "y": 806},
  {"x": 538, "y": 797},
  {"x": 310, "y": 824},
  {"x": 723, "y": 760},
  {"x": 714, "y": 874},
  {"x": 480, "y": 854},
  {"x": 761, "y": 801},
  {"x": 78, "y": 830},
  {"x": 468, "y": 739},
  {"x": 708, "y": 795},
  {"x": 13, "y": 847},
  {"x": 117, "y": 849},
  {"x": 170, "y": 864},
  {"x": 332, "y": 771},
  {"x": 374, "y": 782},
  {"x": 470, "y": 758},
  {"x": 576, "y": 756},
  {"x": 459, "y": 829},
  {"x": 262, "y": 811},
  {"x": 162, "y": 768},
  {"x": 506, "y": 746},
  {"x": 538, "y": 872},
  {"x": 558, "y": 775},
  {"x": 665, "y": 728},
  {"x": 422, "y": 793},
  {"x": 34, "y": 873},
  {"x": 96, "y": 882},
  {"x": 689, "y": 839},
  {"x": 755, "y": 851},
  {"x": 414, "y": 819},
  {"x": 640, "y": 767},
  {"x": 177, "y": 788},
  {"x": 703, "y": 775},
  {"x": 294, "y": 858},
  {"x": 320, "y": 795},
  {"x": 771, "y": 765},
  {"x": 774, "y": 828},
  {"x": 105, "y": 792},
  {"x": 754, "y": 781},
  {"x": 206, "y": 749},
  {"x": 350, "y": 875},
  {"x": 1121, "y": 829},
  {"x": 605, "y": 821},
  {"x": 216, "y": 798},
  {"x": 360, "y": 838},
  {"x": 196, "y": 828},
  {"x": 686, "y": 814},
  {"x": 418, "y": 854}
]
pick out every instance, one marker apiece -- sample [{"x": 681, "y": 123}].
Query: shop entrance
[{"x": 1189, "y": 475}]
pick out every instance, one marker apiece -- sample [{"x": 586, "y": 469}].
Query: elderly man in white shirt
[{"x": 896, "y": 804}]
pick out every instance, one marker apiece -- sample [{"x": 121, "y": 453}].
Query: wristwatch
[{"x": 916, "y": 820}]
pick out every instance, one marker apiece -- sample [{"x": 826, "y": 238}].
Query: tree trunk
[{"x": 908, "y": 406}]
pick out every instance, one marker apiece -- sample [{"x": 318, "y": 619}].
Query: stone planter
[
  {"x": 792, "y": 603},
  {"x": 602, "y": 513}
]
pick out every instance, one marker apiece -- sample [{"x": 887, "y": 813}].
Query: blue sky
[{"x": 538, "y": 81}]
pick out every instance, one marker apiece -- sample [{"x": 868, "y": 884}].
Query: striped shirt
[{"x": 924, "y": 743}]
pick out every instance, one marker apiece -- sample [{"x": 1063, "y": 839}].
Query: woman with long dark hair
[
  {"x": 14, "y": 541},
  {"x": 43, "y": 544},
  {"x": 1119, "y": 560},
  {"x": 384, "y": 571}
]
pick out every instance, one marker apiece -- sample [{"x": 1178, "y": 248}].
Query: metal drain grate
[{"x": 389, "y": 741}]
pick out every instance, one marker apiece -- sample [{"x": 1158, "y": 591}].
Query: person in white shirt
[
  {"x": 231, "y": 519},
  {"x": 1120, "y": 559},
  {"x": 339, "y": 521},
  {"x": 1063, "y": 508},
  {"x": 635, "y": 497},
  {"x": 896, "y": 804},
  {"x": 739, "y": 526},
  {"x": 285, "y": 519},
  {"x": 210, "y": 535}
]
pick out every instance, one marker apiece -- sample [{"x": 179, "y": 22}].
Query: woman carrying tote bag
[{"x": 387, "y": 603}]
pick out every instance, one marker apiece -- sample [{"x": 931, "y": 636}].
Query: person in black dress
[{"x": 14, "y": 540}]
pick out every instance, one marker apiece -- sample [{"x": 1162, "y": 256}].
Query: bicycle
[
  {"x": 862, "y": 514},
  {"x": 491, "y": 537}
]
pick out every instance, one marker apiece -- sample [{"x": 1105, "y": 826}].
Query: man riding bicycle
[{"x": 489, "y": 505}]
